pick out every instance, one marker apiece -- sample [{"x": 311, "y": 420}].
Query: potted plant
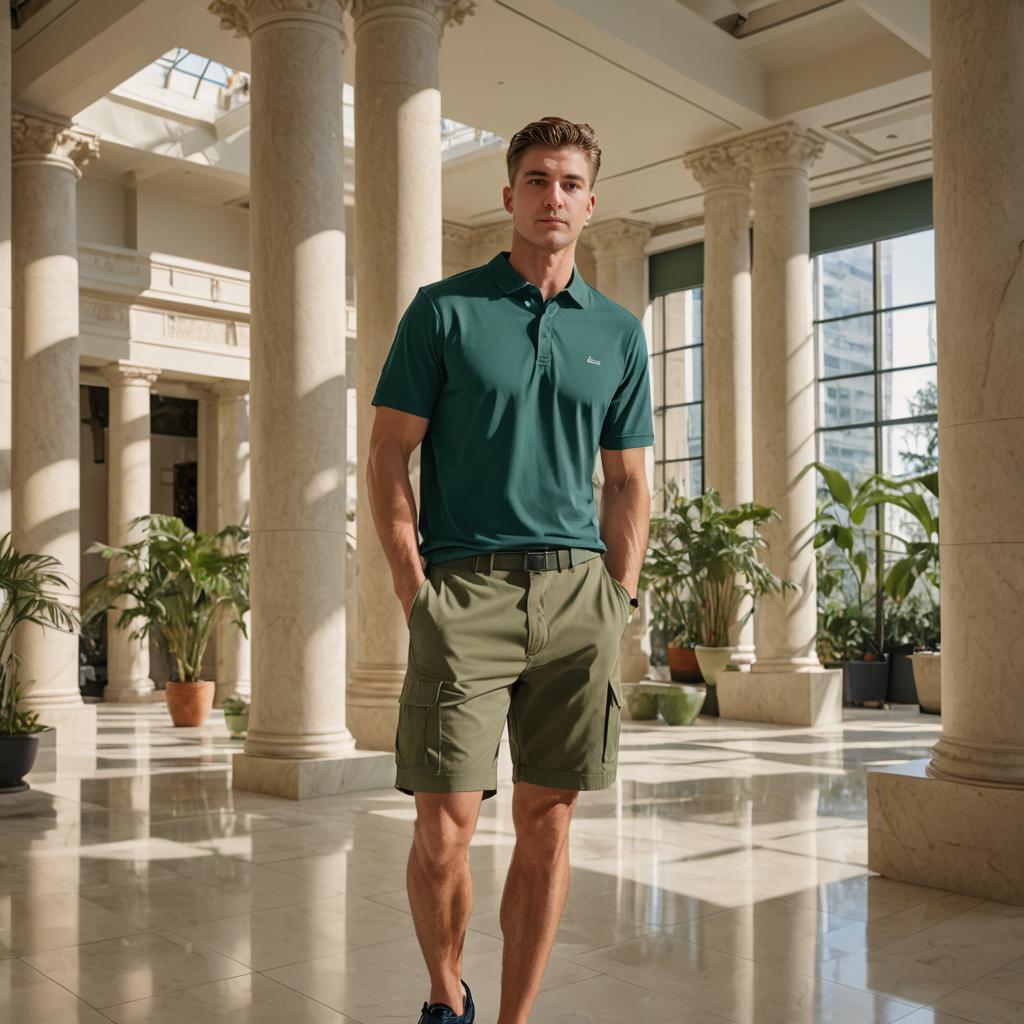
[
  {"x": 236, "y": 716},
  {"x": 911, "y": 586},
  {"x": 706, "y": 559},
  {"x": 24, "y": 579},
  {"x": 179, "y": 583}
]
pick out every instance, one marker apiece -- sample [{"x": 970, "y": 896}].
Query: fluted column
[
  {"x": 47, "y": 157},
  {"x": 297, "y": 257},
  {"x": 724, "y": 174},
  {"x": 128, "y": 496},
  {"x": 956, "y": 822},
  {"x": 398, "y": 249},
  {"x": 234, "y": 671},
  {"x": 618, "y": 248},
  {"x": 786, "y": 684}
]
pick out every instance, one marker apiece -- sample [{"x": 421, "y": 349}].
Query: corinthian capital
[
  {"x": 610, "y": 238},
  {"x": 39, "y": 139},
  {"x": 720, "y": 166},
  {"x": 243, "y": 17},
  {"x": 784, "y": 147},
  {"x": 442, "y": 13}
]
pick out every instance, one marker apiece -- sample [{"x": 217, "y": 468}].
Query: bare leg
[
  {"x": 441, "y": 887},
  {"x": 536, "y": 888}
]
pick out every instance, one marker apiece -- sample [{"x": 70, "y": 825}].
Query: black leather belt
[{"x": 532, "y": 561}]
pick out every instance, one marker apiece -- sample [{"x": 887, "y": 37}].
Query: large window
[
  {"x": 677, "y": 382},
  {"x": 876, "y": 356},
  {"x": 875, "y": 341}
]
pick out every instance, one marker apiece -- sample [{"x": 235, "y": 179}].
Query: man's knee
[
  {"x": 445, "y": 823},
  {"x": 542, "y": 816}
]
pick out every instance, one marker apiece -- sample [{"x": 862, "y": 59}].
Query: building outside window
[
  {"x": 875, "y": 347},
  {"x": 677, "y": 385}
]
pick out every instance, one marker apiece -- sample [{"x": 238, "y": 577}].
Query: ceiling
[{"x": 656, "y": 78}]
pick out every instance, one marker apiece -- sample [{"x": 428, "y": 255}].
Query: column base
[
  {"x": 374, "y": 722},
  {"x": 297, "y": 779},
  {"x": 71, "y": 725},
  {"x": 132, "y": 694},
  {"x": 956, "y": 836},
  {"x": 782, "y": 698}
]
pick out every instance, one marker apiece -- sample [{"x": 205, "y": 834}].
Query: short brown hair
[{"x": 553, "y": 133}]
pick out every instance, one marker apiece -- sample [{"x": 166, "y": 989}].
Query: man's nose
[{"x": 554, "y": 199}]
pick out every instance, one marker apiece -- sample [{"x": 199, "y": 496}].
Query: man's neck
[{"x": 549, "y": 271}]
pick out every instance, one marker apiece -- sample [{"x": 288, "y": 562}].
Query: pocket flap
[
  {"x": 420, "y": 692},
  {"x": 615, "y": 689}
]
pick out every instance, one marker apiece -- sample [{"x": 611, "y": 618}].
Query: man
[{"x": 511, "y": 375}]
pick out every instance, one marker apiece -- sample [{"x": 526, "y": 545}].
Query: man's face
[{"x": 550, "y": 200}]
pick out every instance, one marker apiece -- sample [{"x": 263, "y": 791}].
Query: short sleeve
[
  {"x": 413, "y": 373},
  {"x": 628, "y": 422}
]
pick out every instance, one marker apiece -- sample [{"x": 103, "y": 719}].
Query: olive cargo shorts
[{"x": 539, "y": 648}]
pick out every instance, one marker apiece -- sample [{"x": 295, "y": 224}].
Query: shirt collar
[{"x": 509, "y": 280}]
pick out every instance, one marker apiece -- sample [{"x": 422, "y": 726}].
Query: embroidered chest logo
[{"x": 593, "y": 361}]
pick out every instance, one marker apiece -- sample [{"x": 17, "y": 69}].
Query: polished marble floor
[{"x": 722, "y": 879}]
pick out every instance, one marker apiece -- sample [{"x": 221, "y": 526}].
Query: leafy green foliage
[
  {"x": 25, "y": 582},
  {"x": 175, "y": 584},
  {"x": 702, "y": 560},
  {"x": 847, "y": 587},
  {"x": 235, "y": 706}
]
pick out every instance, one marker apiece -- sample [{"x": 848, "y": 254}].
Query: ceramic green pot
[
  {"x": 680, "y": 705},
  {"x": 237, "y": 725},
  {"x": 642, "y": 703}
]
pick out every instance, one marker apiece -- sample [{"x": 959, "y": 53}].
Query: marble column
[
  {"x": 298, "y": 739},
  {"x": 957, "y": 822},
  {"x": 786, "y": 684},
  {"x": 47, "y": 158},
  {"x": 456, "y": 248},
  {"x": 234, "y": 673},
  {"x": 398, "y": 249},
  {"x": 621, "y": 263},
  {"x": 724, "y": 174},
  {"x": 128, "y": 496},
  {"x": 5, "y": 275}
]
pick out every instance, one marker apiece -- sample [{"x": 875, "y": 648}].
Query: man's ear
[{"x": 506, "y": 198}]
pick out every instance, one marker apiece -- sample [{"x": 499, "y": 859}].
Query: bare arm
[
  {"x": 393, "y": 439},
  {"x": 625, "y": 514}
]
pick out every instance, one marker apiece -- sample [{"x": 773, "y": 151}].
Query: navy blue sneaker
[{"x": 442, "y": 1013}]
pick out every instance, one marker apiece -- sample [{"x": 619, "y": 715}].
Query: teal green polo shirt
[{"x": 520, "y": 392}]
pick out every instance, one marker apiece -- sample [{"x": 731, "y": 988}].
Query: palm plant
[
  {"x": 177, "y": 584},
  {"x": 697, "y": 552},
  {"x": 24, "y": 581}
]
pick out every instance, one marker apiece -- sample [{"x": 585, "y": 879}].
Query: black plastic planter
[
  {"x": 902, "y": 689},
  {"x": 865, "y": 681},
  {"x": 17, "y": 755}
]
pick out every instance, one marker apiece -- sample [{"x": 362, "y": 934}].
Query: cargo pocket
[
  {"x": 418, "y": 738},
  {"x": 613, "y": 714}
]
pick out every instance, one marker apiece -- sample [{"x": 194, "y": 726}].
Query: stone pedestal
[
  {"x": 298, "y": 429},
  {"x": 128, "y": 496},
  {"x": 724, "y": 174},
  {"x": 398, "y": 249},
  {"x": 783, "y": 428},
  {"x": 958, "y": 823},
  {"x": 621, "y": 264},
  {"x": 783, "y": 698},
  {"x": 233, "y": 658},
  {"x": 47, "y": 156}
]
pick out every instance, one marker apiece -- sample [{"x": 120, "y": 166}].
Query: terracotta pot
[
  {"x": 190, "y": 703},
  {"x": 682, "y": 665},
  {"x": 928, "y": 679}
]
